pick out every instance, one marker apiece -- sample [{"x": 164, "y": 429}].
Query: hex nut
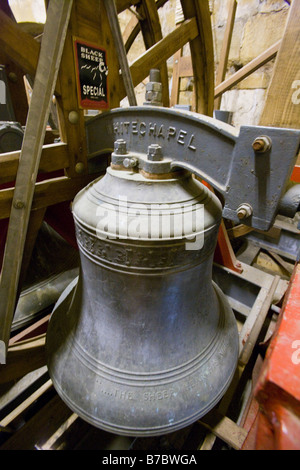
[
  {"x": 262, "y": 144},
  {"x": 155, "y": 153},
  {"x": 244, "y": 211},
  {"x": 120, "y": 147}
]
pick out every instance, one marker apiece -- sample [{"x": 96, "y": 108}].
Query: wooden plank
[
  {"x": 247, "y": 70},
  {"x": 46, "y": 74},
  {"x": 282, "y": 105},
  {"x": 160, "y": 52},
  {"x": 34, "y": 224},
  {"x": 25, "y": 404},
  {"x": 133, "y": 27},
  {"x": 286, "y": 266},
  {"x": 48, "y": 445},
  {"x": 222, "y": 67},
  {"x": 30, "y": 331},
  {"x": 40, "y": 427},
  {"x": 202, "y": 53},
  {"x": 225, "y": 429},
  {"x": 122, "y": 5},
  {"x": 70, "y": 116},
  {"x": 130, "y": 32},
  {"x": 18, "y": 45},
  {"x": 22, "y": 358},
  {"x": 12, "y": 394},
  {"x": 47, "y": 193},
  {"x": 186, "y": 68},
  {"x": 120, "y": 47},
  {"x": 176, "y": 78},
  {"x": 54, "y": 157},
  {"x": 255, "y": 321}
]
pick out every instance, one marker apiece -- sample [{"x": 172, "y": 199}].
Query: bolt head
[
  {"x": 73, "y": 117},
  {"x": 155, "y": 153},
  {"x": 79, "y": 168},
  {"x": 19, "y": 204},
  {"x": 130, "y": 162},
  {"x": 13, "y": 77}
]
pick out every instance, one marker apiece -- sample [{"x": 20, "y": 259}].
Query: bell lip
[
  {"x": 141, "y": 432},
  {"x": 162, "y": 429}
]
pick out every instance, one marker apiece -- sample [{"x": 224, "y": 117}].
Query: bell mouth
[{"x": 139, "y": 404}]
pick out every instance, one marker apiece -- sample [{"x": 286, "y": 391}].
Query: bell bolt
[
  {"x": 121, "y": 147},
  {"x": 19, "y": 204},
  {"x": 130, "y": 162},
  {"x": 262, "y": 144},
  {"x": 155, "y": 153},
  {"x": 244, "y": 211}
]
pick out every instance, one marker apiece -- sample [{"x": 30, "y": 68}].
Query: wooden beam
[
  {"x": 40, "y": 427},
  {"x": 54, "y": 157},
  {"x": 222, "y": 67},
  {"x": 152, "y": 33},
  {"x": 176, "y": 77},
  {"x": 58, "y": 15},
  {"x": 47, "y": 193},
  {"x": 36, "y": 329},
  {"x": 18, "y": 45},
  {"x": 161, "y": 51},
  {"x": 282, "y": 104},
  {"x": 22, "y": 358},
  {"x": 202, "y": 53},
  {"x": 119, "y": 45},
  {"x": 224, "y": 428},
  {"x": 254, "y": 322},
  {"x": 122, "y": 5},
  {"x": 133, "y": 27},
  {"x": 34, "y": 225},
  {"x": 26, "y": 404},
  {"x": 247, "y": 70}
]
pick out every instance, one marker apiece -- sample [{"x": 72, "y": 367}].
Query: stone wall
[{"x": 258, "y": 25}]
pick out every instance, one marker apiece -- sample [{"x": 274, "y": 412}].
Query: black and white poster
[{"x": 92, "y": 75}]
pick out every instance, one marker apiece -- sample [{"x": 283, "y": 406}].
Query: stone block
[
  {"x": 268, "y": 6},
  {"x": 257, "y": 79},
  {"x": 261, "y": 32},
  {"x": 246, "y": 106}
]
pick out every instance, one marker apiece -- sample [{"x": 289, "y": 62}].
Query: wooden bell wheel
[{"x": 194, "y": 28}]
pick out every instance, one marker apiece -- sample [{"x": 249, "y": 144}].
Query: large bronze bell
[{"x": 143, "y": 342}]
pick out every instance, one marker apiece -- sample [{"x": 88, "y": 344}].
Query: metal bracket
[{"x": 248, "y": 167}]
